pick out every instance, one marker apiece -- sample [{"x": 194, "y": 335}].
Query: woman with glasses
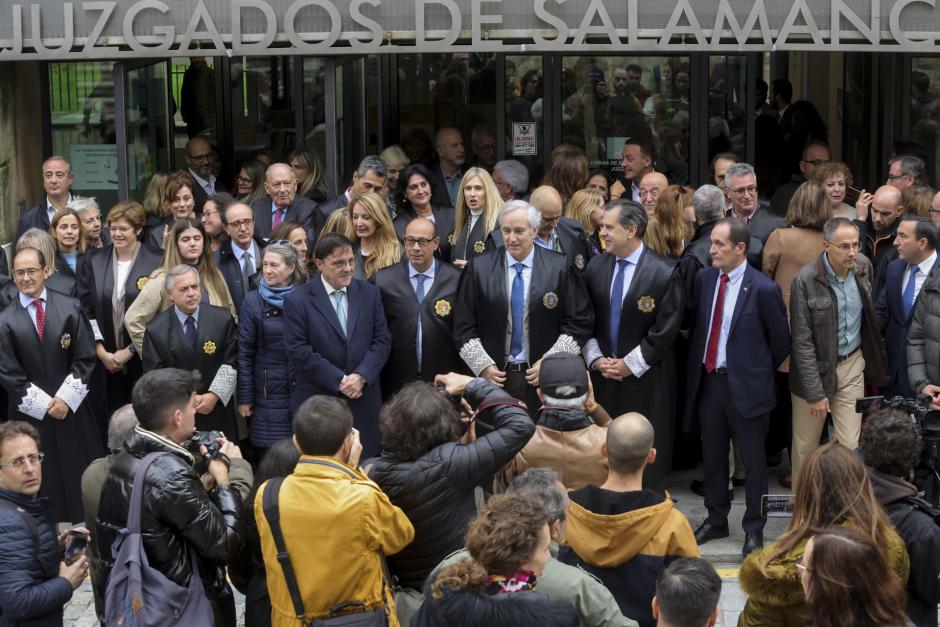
[
  {"x": 186, "y": 244},
  {"x": 211, "y": 218},
  {"x": 108, "y": 284},
  {"x": 414, "y": 201},
  {"x": 475, "y": 216},
  {"x": 264, "y": 377},
  {"x": 370, "y": 229},
  {"x": 249, "y": 185}
]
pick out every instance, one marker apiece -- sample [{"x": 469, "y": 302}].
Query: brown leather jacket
[{"x": 813, "y": 322}]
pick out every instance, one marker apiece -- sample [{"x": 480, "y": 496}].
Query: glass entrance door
[
  {"x": 148, "y": 122},
  {"x": 357, "y": 114}
]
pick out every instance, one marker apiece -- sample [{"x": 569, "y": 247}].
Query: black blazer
[
  {"x": 439, "y": 194},
  {"x": 758, "y": 342},
  {"x": 302, "y": 210},
  {"x": 443, "y": 218},
  {"x": 328, "y": 207},
  {"x": 573, "y": 242},
  {"x": 763, "y": 222},
  {"x": 199, "y": 194},
  {"x": 557, "y": 304},
  {"x": 35, "y": 217},
  {"x": 232, "y": 271},
  {"x": 438, "y": 352}
]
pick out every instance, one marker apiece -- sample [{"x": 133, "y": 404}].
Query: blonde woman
[
  {"x": 44, "y": 243},
  {"x": 476, "y": 216},
  {"x": 587, "y": 207},
  {"x": 370, "y": 229},
  {"x": 311, "y": 182},
  {"x": 395, "y": 161},
  {"x": 668, "y": 229},
  {"x": 157, "y": 212}
]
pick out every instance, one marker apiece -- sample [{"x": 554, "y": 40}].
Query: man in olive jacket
[{"x": 837, "y": 347}]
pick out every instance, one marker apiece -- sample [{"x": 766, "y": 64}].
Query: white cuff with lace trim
[
  {"x": 592, "y": 352},
  {"x": 636, "y": 363},
  {"x": 73, "y": 392},
  {"x": 564, "y": 344},
  {"x": 35, "y": 403},
  {"x": 223, "y": 385},
  {"x": 96, "y": 330},
  {"x": 474, "y": 355}
]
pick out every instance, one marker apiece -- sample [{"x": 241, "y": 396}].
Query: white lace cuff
[
  {"x": 96, "y": 330},
  {"x": 474, "y": 355},
  {"x": 35, "y": 403},
  {"x": 564, "y": 344},
  {"x": 223, "y": 385},
  {"x": 636, "y": 363},
  {"x": 73, "y": 392},
  {"x": 592, "y": 352}
]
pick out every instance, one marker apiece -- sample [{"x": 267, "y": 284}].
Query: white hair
[
  {"x": 534, "y": 215},
  {"x": 81, "y": 204}
]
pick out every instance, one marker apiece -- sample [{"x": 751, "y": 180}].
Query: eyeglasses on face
[
  {"x": 238, "y": 224},
  {"x": 422, "y": 242},
  {"x": 33, "y": 458},
  {"x": 27, "y": 272},
  {"x": 750, "y": 189}
]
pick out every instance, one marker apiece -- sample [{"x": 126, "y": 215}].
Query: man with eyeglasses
[
  {"x": 35, "y": 580},
  {"x": 239, "y": 255},
  {"x": 282, "y": 204},
  {"x": 46, "y": 367},
  {"x": 741, "y": 183},
  {"x": 199, "y": 158},
  {"x": 57, "y": 179},
  {"x": 906, "y": 171},
  {"x": 837, "y": 346},
  {"x": 813, "y": 155},
  {"x": 418, "y": 295}
]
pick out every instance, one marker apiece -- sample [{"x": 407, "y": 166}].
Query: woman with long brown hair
[
  {"x": 476, "y": 216},
  {"x": 370, "y": 229},
  {"x": 832, "y": 489},
  {"x": 668, "y": 229},
  {"x": 567, "y": 171}
]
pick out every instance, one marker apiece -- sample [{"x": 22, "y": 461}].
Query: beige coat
[{"x": 153, "y": 300}]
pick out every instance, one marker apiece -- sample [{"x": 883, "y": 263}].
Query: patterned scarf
[{"x": 510, "y": 582}]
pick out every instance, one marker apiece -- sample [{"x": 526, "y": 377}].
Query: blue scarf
[{"x": 274, "y": 296}]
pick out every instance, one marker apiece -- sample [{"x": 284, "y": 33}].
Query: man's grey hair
[
  {"x": 738, "y": 170},
  {"x": 532, "y": 213},
  {"x": 372, "y": 162},
  {"x": 834, "y": 224},
  {"x": 709, "y": 203},
  {"x": 68, "y": 164},
  {"x": 81, "y": 204},
  {"x": 120, "y": 426},
  {"x": 175, "y": 271},
  {"x": 542, "y": 483},
  {"x": 911, "y": 166},
  {"x": 564, "y": 403},
  {"x": 514, "y": 173},
  {"x": 629, "y": 214}
]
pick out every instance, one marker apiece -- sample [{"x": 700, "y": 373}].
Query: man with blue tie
[
  {"x": 637, "y": 299},
  {"x": 418, "y": 295},
  {"x": 516, "y": 305},
  {"x": 739, "y": 338},
  {"x": 916, "y": 243},
  {"x": 337, "y": 339}
]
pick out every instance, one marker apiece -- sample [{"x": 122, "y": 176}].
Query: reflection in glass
[
  {"x": 524, "y": 91},
  {"x": 727, "y": 105},
  {"x": 262, "y": 106},
  {"x": 925, "y": 110},
  {"x": 147, "y": 125}
]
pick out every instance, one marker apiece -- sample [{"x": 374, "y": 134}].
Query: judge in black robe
[
  {"x": 471, "y": 242},
  {"x": 213, "y": 354},
  {"x": 650, "y": 319},
  {"x": 35, "y": 371},
  {"x": 402, "y": 309},
  {"x": 96, "y": 290},
  {"x": 558, "y": 315}
]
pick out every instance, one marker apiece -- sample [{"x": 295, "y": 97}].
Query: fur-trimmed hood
[{"x": 781, "y": 584}]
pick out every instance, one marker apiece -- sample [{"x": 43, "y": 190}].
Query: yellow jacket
[{"x": 334, "y": 527}]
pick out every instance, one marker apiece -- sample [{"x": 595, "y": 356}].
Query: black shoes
[
  {"x": 708, "y": 532},
  {"x": 751, "y": 543}
]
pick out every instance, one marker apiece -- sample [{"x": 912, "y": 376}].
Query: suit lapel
[
  {"x": 177, "y": 337},
  {"x": 630, "y": 296},
  {"x": 743, "y": 294},
  {"x": 321, "y": 301},
  {"x": 707, "y": 301},
  {"x": 352, "y": 307},
  {"x": 435, "y": 287}
]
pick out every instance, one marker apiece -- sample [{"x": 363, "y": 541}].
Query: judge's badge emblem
[
  {"x": 550, "y": 300},
  {"x": 209, "y": 347},
  {"x": 646, "y": 304},
  {"x": 479, "y": 247},
  {"x": 141, "y": 282},
  {"x": 579, "y": 261},
  {"x": 442, "y": 308},
  {"x": 450, "y": 239},
  {"x": 66, "y": 341}
]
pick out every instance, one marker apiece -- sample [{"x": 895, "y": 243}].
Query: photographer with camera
[
  {"x": 891, "y": 445},
  {"x": 183, "y": 515}
]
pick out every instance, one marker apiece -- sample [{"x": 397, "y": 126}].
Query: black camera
[
  {"x": 210, "y": 440},
  {"x": 928, "y": 419}
]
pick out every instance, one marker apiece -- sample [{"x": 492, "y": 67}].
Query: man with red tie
[{"x": 739, "y": 338}]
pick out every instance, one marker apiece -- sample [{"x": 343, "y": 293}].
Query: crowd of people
[{"x": 453, "y": 396}]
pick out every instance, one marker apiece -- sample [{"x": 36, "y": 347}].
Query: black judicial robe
[
  {"x": 651, "y": 318},
  {"x": 94, "y": 289},
  {"x": 472, "y": 242},
  {"x": 443, "y": 219},
  {"x": 438, "y": 352},
  {"x": 32, "y": 371},
  {"x": 557, "y": 305},
  {"x": 214, "y": 356}
]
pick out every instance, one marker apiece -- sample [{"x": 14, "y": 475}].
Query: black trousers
[
  {"x": 517, "y": 387},
  {"x": 720, "y": 422}
]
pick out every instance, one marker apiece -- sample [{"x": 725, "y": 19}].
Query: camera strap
[{"x": 272, "y": 512}]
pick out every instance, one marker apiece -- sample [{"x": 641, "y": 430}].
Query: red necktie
[
  {"x": 40, "y": 318},
  {"x": 714, "y": 335},
  {"x": 278, "y": 217}
]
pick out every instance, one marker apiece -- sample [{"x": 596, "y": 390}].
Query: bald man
[
  {"x": 199, "y": 155},
  {"x": 626, "y": 552},
  {"x": 651, "y": 186},
  {"x": 282, "y": 203},
  {"x": 447, "y": 174},
  {"x": 881, "y": 229},
  {"x": 555, "y": 232}
]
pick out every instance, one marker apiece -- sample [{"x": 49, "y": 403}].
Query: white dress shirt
[
  {"x": 923, "y": 269},
  {"x": 735, "y": 279},
  {"x": 28, "y": 304},
  {"x": 528, "y": 262}
]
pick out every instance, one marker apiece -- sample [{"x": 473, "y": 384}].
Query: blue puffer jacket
[
  {"x": 31, "y": 591},
  {"x": 264, "y": 379}
]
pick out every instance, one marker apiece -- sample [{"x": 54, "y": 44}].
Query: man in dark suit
[
  {"x": 517, "y": 304},
  {"x": 196, "y": 336},
  {"x": 283, "y": 203},
  {"x": 631, "y": 354},
  {"x": 447, "y": 173},
  {"x": 239, "y": 256},
  {"x": 336, "y": 338},
  {"x": 739, "y": 338},
  {"x": 741, "y": 185},
  {"x": 370, "y": 176},
  {"x": 57, "y": 179},
  {"x": 199, "y": 153},
  {"x": 418, "y": 296},
  {"x": 916, "y": 244}
]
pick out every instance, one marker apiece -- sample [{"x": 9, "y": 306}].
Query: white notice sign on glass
[
  {"x": 95, "y": 166},
  {"x": 524, "y": 138}
]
